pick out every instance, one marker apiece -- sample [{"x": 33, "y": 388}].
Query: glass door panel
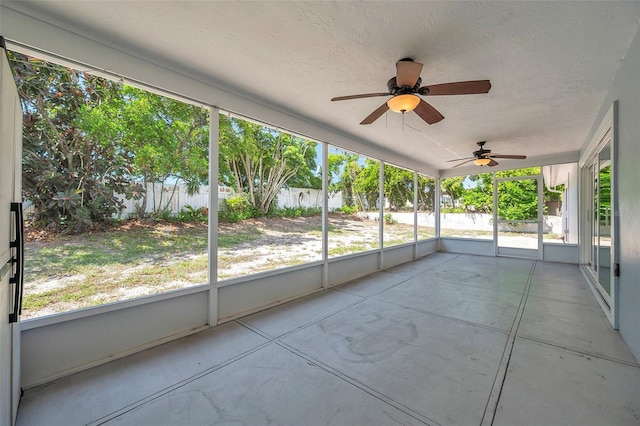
[
  {"x": 601, "y": 217},
  {"x": 604, "y": 219},
  {"x": 593, "y": 172}
]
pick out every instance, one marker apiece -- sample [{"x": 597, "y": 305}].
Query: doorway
[
  {"x": 599, "y": 263},
  {"x": 518, "y": 231},
  {"x": 598, "y": 214}
]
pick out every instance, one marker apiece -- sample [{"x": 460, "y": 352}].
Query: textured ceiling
[{"x": 550, "y": 63}]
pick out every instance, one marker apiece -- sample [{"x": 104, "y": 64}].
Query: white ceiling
[{"x": 550, "y": 63}]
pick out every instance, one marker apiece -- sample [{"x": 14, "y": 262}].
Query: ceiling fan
[
  {"x": 405, "y": 88},
  {"x": 484, "y": 157}
]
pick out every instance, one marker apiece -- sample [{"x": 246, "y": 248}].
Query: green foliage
[
  {"x": 344, "y": 168},
  {"x": 453, "y": 188},
  {"x": 162, "y": 140},
  {"x": 294, "y": 212},
  {"x": 349, "y": 210},
  {"x": 426, "y": 193},
  {"x": 192, "y": 214},
  {"x": 237, "y": 203},
  {"x": 518, "y": 198},
  {"x": 479, "y": 197},
  {"x": 452, "y": 210},
  {"x": 389, "y": 220},
  {"x": 604, "y": 179},
  {"x": 87, "y": 139},
  {"x": 259, "y": 161},
  {"x": 398, "y": 187},
  {"x": 69, "y": 174},
  {"x": 238, "y": 208},
  {"x": 358, "y": 180},
  {"x": 366, "y": 184}
]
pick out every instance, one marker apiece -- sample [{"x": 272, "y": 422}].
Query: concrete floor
[{"x": 446, "y": 339}]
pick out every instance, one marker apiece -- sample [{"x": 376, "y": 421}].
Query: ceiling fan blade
[
  {"x": 464, "y": 162},
  {"x": 364, "y": 95},
  {"x": 492, "y": 163},
  {"x": 428, "y": 113},
  {"x": 376, "y": 114},
  {"x": 407, "y": 73},
  {"x": 459, "y": 88},
  {"x": 460, "y": 159},
  {"x": 514, "y": 157}
]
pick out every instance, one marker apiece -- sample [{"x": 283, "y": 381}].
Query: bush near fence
[{"x": 288, "y": 198}]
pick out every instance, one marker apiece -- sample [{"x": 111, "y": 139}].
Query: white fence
[
  {"x": 474, "y": 221},
  {"x": 177, "y": 199}
]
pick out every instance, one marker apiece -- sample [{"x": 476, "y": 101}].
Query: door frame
[
  {"x": 11, "y": 140},
  {"x": 513, "y": 251},
  {"x": 606, "y": 133}
]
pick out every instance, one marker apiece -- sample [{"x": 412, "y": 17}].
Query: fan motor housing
[{"x": 392, "y": 85}]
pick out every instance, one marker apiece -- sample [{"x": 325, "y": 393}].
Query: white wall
[{"x": 626, "y": 90}]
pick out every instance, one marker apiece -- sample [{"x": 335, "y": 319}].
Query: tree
[
  {"x": 166, "y": 142},
  {"x": 478, "y": 197},
  {"x": 367, "y": 184},
  {"x": 426, "y": 193},
  {"x": 70, "y": 175},
  {"x": 398, "y": 187},
  {"x": 453, "y": 188},
  {"x": 258, "y": 161},
  {"x": 343, "y": 171}
]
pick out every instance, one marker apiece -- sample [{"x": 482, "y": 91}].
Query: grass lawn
[{"x": 134, "y": 259}]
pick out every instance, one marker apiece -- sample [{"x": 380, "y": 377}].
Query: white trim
[
  {"x": 325, "y": 215},
  {"x": 517, "y": 251},
  {"x": 212, "y": 228},
  {"x": 415, "y": 214},
  {"x": 588, "y": 275},
  {"x": 436, "y": 207},
  {"x": 595, "y": 145},
  {"x": 605, "y": 134},
  {"x": 381, "y": 213},
  {"x": 61, "y": 317},
  {"x": 496, "y": 250}
]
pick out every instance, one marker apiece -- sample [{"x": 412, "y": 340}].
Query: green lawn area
[
  {"x": 134, "y": 259},
  {"x": 76, "y": 271}
]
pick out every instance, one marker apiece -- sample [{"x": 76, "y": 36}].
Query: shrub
[
  {"x": 165, "y": 216},
  {"x": 238, "y": 208},
  {"x": 237, "y": 203},
  {"x": 349, "y": 210},
  {"x": 192, "y": 214},
  {"x": 452, "y": 210},
  {"x": 294, "y": 212},
  {"x": 389, "y": 220}
]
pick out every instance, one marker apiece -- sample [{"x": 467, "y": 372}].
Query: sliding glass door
[{"x": 600, "y": 216}]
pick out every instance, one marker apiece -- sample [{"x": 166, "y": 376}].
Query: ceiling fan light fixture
[
  {"x": 403, "y": 103},
  {"x": 482, "y": 161}
]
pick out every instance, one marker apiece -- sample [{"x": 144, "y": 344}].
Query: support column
[
  {"x": 325, "y": 215},
  {"x": 415, "y": 215},
  {"x": 436, "y": 207},
  {"x": 381, "y": 214},
  {"x": 214, "y": 126}
]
